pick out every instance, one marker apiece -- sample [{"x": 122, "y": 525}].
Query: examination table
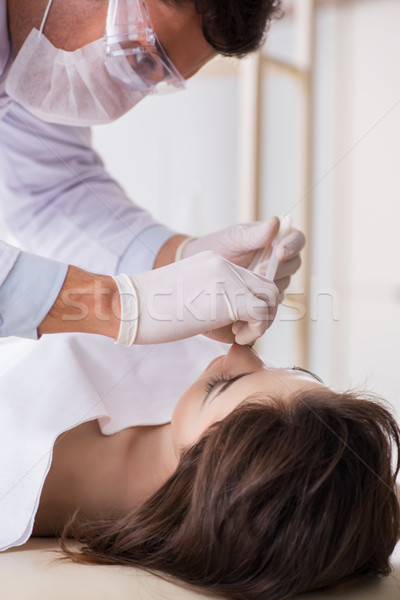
[{"x": 30, "y": 572}]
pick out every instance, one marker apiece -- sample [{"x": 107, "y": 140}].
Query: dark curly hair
[
  {"x": 234, "y": 27},
  {"x": 278, "y": 498}
]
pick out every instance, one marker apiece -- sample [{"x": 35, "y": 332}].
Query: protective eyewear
[{"x": 133, "y": 54}]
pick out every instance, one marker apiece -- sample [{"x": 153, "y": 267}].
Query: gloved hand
[
  {"x": 239, "y": 244},
  {"x": 202, "y": 293}
]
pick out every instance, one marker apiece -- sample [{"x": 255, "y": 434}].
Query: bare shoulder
[
  {"x": 87, "y": 472},
  {"x": 70, "y": 25},
  {"x": 100, "y": 474}
]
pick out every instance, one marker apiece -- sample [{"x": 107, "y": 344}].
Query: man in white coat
[{"x": 66, "y": 65}]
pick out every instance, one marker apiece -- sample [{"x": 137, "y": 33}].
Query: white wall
[
  {"x": 176, "y": 155},
  {"x": 368, "y": 192},
  {"x": 281, "y": 191}
]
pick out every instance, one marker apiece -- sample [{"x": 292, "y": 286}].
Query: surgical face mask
[{"x": 98, "y": 83}]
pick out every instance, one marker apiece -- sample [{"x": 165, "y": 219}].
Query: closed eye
[
  {"x": 213, "y": 382},
  {"x": 222, "y": 382}
]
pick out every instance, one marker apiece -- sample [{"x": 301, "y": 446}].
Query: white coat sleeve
[{"x": 59, "y": 201}]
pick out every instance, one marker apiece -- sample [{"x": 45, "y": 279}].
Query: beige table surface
[{"x": 31, "y": 572}]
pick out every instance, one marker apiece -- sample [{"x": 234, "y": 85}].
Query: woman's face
[{"x": 225, "y": 383}]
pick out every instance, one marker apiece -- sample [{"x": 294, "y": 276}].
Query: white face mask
[
  {"x": 98, "y": 83},
  {"x": 70, "y": 88}
]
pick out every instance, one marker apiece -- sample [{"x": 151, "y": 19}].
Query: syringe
[
  {"x": 272, "y": 266},
  {"x": 261, "y": 255}
]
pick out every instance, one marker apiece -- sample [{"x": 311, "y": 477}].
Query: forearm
[
  {"x": 87, "y": 303},
  {"x": 167, "y": 253}
]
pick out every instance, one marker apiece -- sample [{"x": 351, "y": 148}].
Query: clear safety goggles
[{"x": 133, "y": 54}]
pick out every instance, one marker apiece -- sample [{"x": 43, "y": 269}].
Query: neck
[
  {"x": 166, "y": 452},
  {"x": 152, "y": 459}
]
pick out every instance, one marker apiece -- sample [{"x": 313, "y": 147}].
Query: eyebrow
[
  {"x": 226, "y": 385},
  {"x": 309, "y": 373},
  {"x": 229, "y": 383}
]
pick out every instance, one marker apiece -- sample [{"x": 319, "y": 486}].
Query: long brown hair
[{"x": 278, "y": 498}]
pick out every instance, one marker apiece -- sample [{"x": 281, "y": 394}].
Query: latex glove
[
  {"x": 202, "y": 293},
  {"x": 240, "y": 243}
]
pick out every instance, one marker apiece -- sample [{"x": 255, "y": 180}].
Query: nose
[{"x": 240, "y": 359}]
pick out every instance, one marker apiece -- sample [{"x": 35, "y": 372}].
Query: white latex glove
[
  {"x": 240, "y": 243},
  {"x": 197, "y": 295}
]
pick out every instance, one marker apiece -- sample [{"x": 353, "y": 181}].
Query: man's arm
[
  {"x": 59, "y": 201},
  {"x": 87, "y": 303},
  {"x": 29, "y": 285},
  {"x": 167, "y": 253},
  {"x": 39, "y": 295}
]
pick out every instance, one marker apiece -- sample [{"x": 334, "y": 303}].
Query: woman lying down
[{"x": 263, "y": 484}]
